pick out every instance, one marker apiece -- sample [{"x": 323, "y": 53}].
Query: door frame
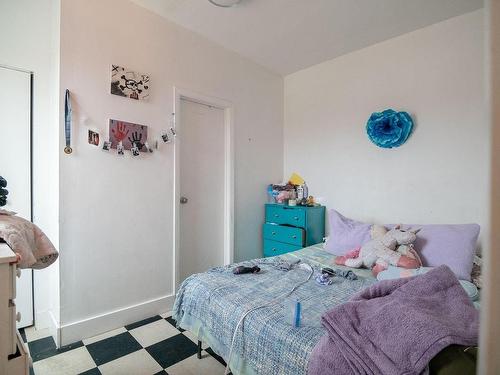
[
  {"x": 31, "y": 78},
  {"x": 228, "y": 108}
]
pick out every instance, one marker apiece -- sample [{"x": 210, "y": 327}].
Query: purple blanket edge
[{"x": 396, "y": 326}]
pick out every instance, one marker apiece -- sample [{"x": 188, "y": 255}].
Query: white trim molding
[{"x": 82, "y": 329}]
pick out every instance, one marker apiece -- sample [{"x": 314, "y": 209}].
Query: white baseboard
[
  {"x": 46, "y": 320},
  {"x": 79, "y": 330}
]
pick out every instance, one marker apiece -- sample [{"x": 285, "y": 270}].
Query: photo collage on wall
[{"x": 128, "y": 136}]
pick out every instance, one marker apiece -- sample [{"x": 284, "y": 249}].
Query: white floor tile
[
  {"x": 207, "y": 365},
  {"x": 137, "y": 363},
  {"x": 104, "y": 335},
  {"x": 69, "y": 363},
  {"x": 33, "y": 334},
  {"x": 152, "y": 333}
]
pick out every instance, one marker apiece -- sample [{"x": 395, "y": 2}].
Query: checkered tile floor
[{"x": 151, "y": 346}]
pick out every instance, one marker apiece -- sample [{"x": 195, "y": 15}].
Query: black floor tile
[
  {"x": 163, "y": 372},
  {"x": 113, "y": 347},
  {"x": 173, "y": 322},
  {"x": 23, "y": 334},
  {"x": 217, "y": 357},
  {"x": 143, "y": 322},
  {"x": 42, "y": 348},
  {"x": 172, "y": 350},
  {"x": 93, "y": 371}
]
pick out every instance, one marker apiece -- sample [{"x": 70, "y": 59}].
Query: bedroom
[{"x": 298, "y": 91}]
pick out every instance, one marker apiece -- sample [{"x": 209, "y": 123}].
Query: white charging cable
[{"x": 277, "y": 299}]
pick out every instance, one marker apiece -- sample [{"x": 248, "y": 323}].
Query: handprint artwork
[
  {"x": 136, "y": 138},
  {"x": 120, "y": 132},
  {"x": 127, "y": 133}
]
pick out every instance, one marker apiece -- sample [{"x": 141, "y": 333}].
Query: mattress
[{"x": 210, "y": 305}]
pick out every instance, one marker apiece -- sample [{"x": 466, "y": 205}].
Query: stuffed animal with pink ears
[{"x": 393, "y": 247}]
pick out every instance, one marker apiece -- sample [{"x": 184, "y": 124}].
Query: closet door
[{"x": 15, "y": 165}]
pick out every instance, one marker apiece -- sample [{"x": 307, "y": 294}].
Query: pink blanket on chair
[{"x": 26, "y": 239}]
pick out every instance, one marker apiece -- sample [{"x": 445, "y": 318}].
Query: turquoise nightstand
[{"x": 290, "y": 228}]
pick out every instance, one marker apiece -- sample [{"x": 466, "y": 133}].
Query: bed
[{"x": 210, "y": 305}]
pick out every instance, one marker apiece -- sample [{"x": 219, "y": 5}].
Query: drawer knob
[
  {"x": 18, "y": 316},
  {"x": 273, "y": 233},
  {"x": 294, "y": 236},
  {"x": 296, "y": 218},
  {"x": 274, "y": 249},
  {"x": 18, "y": 272},
  {"x": 276, "y": 215}
]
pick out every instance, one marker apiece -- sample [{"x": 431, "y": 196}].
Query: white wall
[
  {"x": 29, "y": 39},
  {"x": 116, "y": 213},
  {"x": 441, "y": 174}
]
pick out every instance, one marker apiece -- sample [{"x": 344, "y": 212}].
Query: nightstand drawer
[
  {"x": 289, "y": 235},
  {"x": 285, "y": 215},
  {"x": 273, "y": 248}
]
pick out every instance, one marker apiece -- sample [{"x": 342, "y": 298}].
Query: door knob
[{"x": 184, "y": 200}]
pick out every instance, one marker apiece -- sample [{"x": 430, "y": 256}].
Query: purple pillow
[
  {"x": 451, "y": 244},
  {"x": 345, "y": 234}
]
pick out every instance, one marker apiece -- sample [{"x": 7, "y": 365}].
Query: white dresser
[{"x": 14, "y": 358}]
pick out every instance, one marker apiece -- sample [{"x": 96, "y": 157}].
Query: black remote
[
  {"x": 328, "y": 271},
  {"x": 242, "y": 269}
]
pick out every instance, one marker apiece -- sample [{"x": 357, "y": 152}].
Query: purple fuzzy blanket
[{"x": 396, "y": 326}]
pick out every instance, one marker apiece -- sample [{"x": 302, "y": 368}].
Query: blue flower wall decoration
[{"x": 389, "y": 128}]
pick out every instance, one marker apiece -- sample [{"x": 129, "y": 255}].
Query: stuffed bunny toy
[{"x": 393, "y": 247}]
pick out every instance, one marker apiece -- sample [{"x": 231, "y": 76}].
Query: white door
[
  {"x": 15, "y": 165},
  {"x": 201, "y": 172}
]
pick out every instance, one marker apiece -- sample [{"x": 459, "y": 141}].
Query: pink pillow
[{"x": 345, "y": 234}]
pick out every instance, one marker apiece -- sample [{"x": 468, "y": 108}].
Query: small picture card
[
  {"x": 93, "y": 138},
  {"x": 119, "y": 148},
  {"x": 147, "y": 147},
  {"x": 165, "y": 137},
  {"x": 129, "y": 84},
  {"x": 135, "y": 150},
  {"x": 106, "y": 146}
]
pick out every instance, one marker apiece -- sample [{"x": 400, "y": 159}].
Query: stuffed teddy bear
[
  {"x": 392, "y": 247},
  {"x": 3, "y": 192}
]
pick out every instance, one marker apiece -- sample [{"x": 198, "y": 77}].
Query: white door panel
[
  {"x": 201, "y": 171},
  {"x": 15, "y": 165}
]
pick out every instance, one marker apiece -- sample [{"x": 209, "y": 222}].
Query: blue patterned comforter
[{"x": 210, "y": 305}]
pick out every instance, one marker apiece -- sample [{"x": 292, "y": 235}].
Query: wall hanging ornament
[
  {"x": 119, "y": 148},
  {"x": 130, "y": 84},
  {"x": 134, "y": 150},
  {"x": 106, "y": 146},
  {"x": 148, "y": 148},
  {"x": 128, "y": 133},
  {"x": 67, "y": 122},
  {"x": 93, "y": 138},
  {"x": 389, "y": 129}
]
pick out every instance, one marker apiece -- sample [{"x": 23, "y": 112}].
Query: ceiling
[{"x": 289, "y": 35}]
